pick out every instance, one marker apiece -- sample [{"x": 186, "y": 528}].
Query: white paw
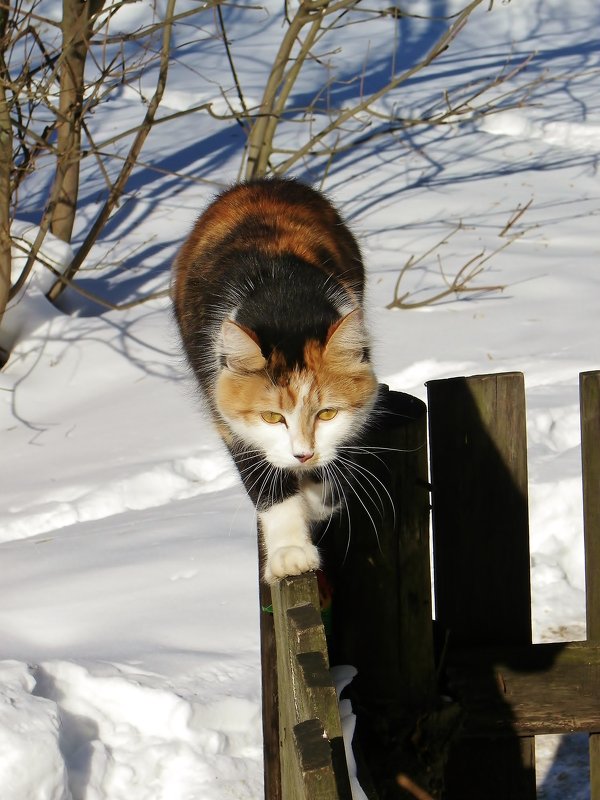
[{"x": 291, "y": 560}]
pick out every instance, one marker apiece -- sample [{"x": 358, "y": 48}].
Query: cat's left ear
[
  {"x": 347, "y": 339},
  {"x": 240, "y": 348}
]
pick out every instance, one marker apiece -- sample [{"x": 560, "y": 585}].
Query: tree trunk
[
  {"x": 5, "y": 168},
  {"x": 77, "y": 15}
]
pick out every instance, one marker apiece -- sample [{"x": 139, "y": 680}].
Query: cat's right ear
[{"x": 240, "y": 348}]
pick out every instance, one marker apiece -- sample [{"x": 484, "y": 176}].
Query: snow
[{"x": 129, "y": 655}]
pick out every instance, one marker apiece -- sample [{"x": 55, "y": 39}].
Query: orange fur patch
[
  {"x": 285, "y": 218},
  {"x": 349, "y": 384}
]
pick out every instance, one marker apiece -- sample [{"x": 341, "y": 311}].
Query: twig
[
  {"x": 85, "y": 292},
  {"x": 520, "y": 210},
  {"x": 438, "y": 48},
  {"x": 234, "y": 74},
  {"x": 462, "y": 282},
  {"x": 406, "y": 783}
]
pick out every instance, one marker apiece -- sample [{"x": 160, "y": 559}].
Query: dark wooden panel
[
  {"x": 270, "y": 701},
  {"x": 590, "y": 456},
  {"x": 480, "y": 513},
  {"x": 377, "y": 557},
  {"x": 589, "y": 386},
  {"x": 481, "y": 554}
]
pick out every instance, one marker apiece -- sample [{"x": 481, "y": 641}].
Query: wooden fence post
[
  {"x": 377, "y": 557},
  {"x": 378, "y": 561},
  {"x": 481, "y": 554},
  {"x": 269, "y": 689},
  {"x": 589, "y": 387},
  {"x": 312, "y": 756}
]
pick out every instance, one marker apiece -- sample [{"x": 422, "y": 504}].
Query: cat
[{"x": 268, "y": 297}]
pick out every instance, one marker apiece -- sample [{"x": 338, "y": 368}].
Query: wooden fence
[{"x": 446, "y": 709}]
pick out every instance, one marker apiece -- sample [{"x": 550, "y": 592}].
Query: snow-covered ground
[{"x": 129, "y": 654}]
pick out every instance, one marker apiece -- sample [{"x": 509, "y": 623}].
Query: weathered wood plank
[
  {"x": 589, "y": 388},
  {"x": 314, "y": 757},
  {"x": 306, "y": 694},
  {"x": 590, "y": 456},
  {"x": 270, "y": 705},
  {"x": 481, "y": 553},
  {"x": 480, "y": 510},
  {"x": 536, "y": 689},
  {"x": 377, "y": 557}
]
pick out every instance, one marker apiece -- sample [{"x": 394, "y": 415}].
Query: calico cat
[{"x": 268, "y": 292}]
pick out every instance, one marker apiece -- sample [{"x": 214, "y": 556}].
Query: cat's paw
[{"x": 291, "y": 560}]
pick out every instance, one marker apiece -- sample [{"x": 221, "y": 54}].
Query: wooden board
[
  {"x": 308, "y": 706},
  {"x": 481, "y": 554},
  {"x": 531, "y": 690},
  {"x": 589, "y": 387},
  {"x": 270, "y": 702},
  {"x": 377, "y": 557}
]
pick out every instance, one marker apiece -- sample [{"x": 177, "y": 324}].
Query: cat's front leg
[{"x": 287, "y": 541}]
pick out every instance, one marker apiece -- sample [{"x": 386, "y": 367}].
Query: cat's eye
[
  {"x": 327, "y": 413},
  {"x": 272, "y": 417}
]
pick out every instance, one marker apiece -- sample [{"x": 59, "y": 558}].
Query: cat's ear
[
  {"x": 347, "y": 338},
  {"x": 240, "y": 348}
]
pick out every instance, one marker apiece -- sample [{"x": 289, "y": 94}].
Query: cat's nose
[{"x": 303, "y": 457}]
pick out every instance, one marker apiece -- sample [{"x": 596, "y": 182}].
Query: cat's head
[{"x": 297, "y": 416}]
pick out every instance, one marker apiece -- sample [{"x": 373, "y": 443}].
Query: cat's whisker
[
  {"x": 352, "y": 451},
  {"x": 367, "y": 448},
  {"x": 360, "y": 473},
  {"x": 245, "y": 453},
  {"x": 248, "y": 461},
  {"x": 273, "y": 494},
  {"x": 355, "y": 489},
  {"x": 367, "y": 474},
  {"x": 336, "y": 468},
  {"x": 248, "y": 471},
  {"x": 266, "y": 477},
  {"x": 266, "y": 468},
  {"x": 335, "y": 497}
]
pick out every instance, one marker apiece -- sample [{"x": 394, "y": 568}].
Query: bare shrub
[
  {"x": 54, "y": 76},
  {"x": 464, "y": 280}
]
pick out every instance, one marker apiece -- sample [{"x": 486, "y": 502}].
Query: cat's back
[{"x": 267, "y": 219}]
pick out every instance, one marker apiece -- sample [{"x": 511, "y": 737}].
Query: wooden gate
[{"x": 446, "y": 709}]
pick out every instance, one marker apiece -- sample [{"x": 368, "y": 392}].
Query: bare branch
[
  {"x": 234, "y": 74},
  {"x": 442, "y": 44},
  {"x": 407, "y": 783},
  {"x": 6, "y": 145},
  {"x": 25, "y": 247},
  {"x": 470, "y": 270}
]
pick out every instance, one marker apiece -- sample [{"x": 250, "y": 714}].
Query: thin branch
[
  {"x": 234, "y": 74},
  {"x": 407, "y": 783},
  {"x": 31, "y": 15},
  {"x": 6, "y": 144},
  {"x": 442, "y": 44},
  {"x": 143, "y": 33},
  {"x": 520, "y": 210},
  {"x": 86, "y": 293},
  {"x": 462, "y": 282}
]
